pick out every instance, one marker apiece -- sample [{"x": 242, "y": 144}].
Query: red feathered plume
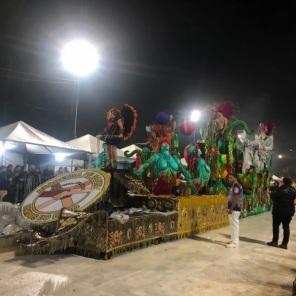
[
  {"x": 226, "y": 108},
  {"x": 269, "y": 128},
  {"x": 130, "y": 120}
]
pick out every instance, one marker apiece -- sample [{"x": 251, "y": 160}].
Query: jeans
[
  {"x": 234, "y": 226},
  {"x": 276, "y": 222}
]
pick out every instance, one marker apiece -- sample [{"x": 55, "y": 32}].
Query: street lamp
[
  {"x": 280, "y": 156},
  {"x": 80, "y": 58},
  {"x": 195, "y": 115}
]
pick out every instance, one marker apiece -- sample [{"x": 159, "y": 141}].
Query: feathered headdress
[
  {"x": 226, "y": 108},
  {"x": 130, "y": 121},
  {"x": 269, "y": 128}
]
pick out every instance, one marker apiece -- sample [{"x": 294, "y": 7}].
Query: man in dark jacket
[{"x": 282, "y": 212}]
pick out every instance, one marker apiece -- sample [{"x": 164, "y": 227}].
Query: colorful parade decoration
[
  {"x": 76, "y": 191},
  {"x": 190, "y": 187},
  {"x": 187, "y": 127},
  {"x": 197, "y": 166},
  {"x": 164, "y": 167},
  {"x": 230, "y": 149}
]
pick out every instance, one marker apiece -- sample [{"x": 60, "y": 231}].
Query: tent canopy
[
  {"x": 21, "y": 137},
  {"x": 87, "y": 143}
]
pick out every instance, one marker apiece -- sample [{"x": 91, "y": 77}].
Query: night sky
[{"x": 156, "y": 57}]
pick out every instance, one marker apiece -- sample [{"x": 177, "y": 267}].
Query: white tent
[
  {"x": 21, "y": 137},
  {"x": 87, "y": 143}
]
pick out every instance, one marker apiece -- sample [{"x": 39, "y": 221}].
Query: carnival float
[{"x": 167, "y": 191}]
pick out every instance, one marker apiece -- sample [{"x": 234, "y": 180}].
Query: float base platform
[{"x": 98, "y": 236}]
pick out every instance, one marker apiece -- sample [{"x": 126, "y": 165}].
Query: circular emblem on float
[{"x": 74, "y": 191}]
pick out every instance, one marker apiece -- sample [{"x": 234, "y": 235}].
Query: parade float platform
[
  {"x": 98, "y": 236},
  {"x": 89, "y": 228}
]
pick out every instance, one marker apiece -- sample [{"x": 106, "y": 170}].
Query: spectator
[
  {"x": 3, "y": 178},
  {"x": 33, "y": 179},
  {"x": 18, "y": 185},
  {"x": 47, "y": 174},
  {"x": 283, "y": 210},
  {"x": 9, "y": 179},
  {"x": 60, "y": 171},
  {"x": 23, "y": 178}
]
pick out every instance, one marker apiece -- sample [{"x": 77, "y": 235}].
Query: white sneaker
[{"x": 232, "y": 245}]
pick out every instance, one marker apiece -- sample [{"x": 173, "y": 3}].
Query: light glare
[
  {"x": 2, "y": 148},
  {"x": 80, "y": 57},
  {"x": 59, "y": 157},
  {"x": 195, "y": 115},
  {"x": 9, "y": 145}
]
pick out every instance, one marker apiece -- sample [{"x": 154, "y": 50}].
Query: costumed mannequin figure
[
  {"x": 264, "y": 143},
  {"x": 165, "y": 167},
  {"x": 162, "y": 131},
  {"x": 121, "y": 124},
  {"x": 219, "y": 156},
  {"x": 113, "y": 135},
  {"x": 258, "y": 152},
  {"x": 197, "y": 166},
  {"x": 152, "y": 142},
  {"x": 220, "y": 143}
]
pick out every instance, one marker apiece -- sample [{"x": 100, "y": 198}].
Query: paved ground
[{"x": 199, "y": 266}]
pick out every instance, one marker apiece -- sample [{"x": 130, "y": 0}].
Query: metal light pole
[
  {"x": 80, "y": 58},
  {"x": 194, "y": 117},
  {"x": 77, "y": 93}
]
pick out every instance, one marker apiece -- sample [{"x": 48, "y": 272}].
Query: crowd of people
[{"x": 17, "y": 182}]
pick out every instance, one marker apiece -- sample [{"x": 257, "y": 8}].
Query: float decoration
[
  {"x": 76, "y": 191},
  {"x": 159, "y": 182}
]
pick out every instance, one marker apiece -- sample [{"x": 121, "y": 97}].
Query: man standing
[
  {"x": 282, "y": 212},
  {"x": 235, "y": 198}
]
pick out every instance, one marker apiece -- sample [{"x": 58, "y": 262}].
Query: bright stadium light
[
  {"x": 280, "y": 156},
  {"x": 195, "y": 115},
  {"x": 80, "y": 58}
]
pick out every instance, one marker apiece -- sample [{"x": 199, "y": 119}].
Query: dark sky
[{"x": 154, "y": 56}]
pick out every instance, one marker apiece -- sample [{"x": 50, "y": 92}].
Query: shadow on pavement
[
  {"x": 246, "y": 239},
  {"x": 209, "y": 240},
  {"x": 35, "y": 261}
]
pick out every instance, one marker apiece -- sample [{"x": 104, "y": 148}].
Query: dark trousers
[{"x": 276, "y": 222}]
